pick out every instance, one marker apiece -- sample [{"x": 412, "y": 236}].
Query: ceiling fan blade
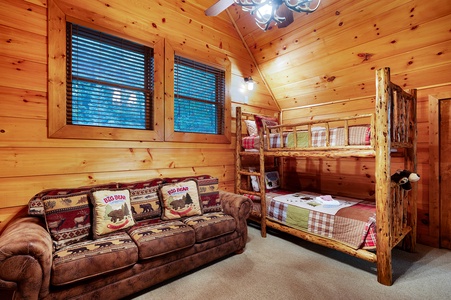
[
  {"x": 286, "y": 13},
  {"x": 218, "y": 7}
]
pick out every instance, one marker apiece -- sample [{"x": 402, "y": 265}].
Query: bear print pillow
[
  {"x": 180, "y": 199},
  {"x": 112, "y": 211}
]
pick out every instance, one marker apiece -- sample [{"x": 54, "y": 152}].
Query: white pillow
[{"x": 251, "y": 127}]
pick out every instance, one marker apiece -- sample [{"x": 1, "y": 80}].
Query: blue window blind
[
  {"x": 109, "y": 80},
  {"x": 199, "y": 97}
]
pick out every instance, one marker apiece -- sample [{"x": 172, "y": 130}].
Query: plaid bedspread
[
  {"x": 358, "y": 135},
  {"x": 354, "y": 226}
]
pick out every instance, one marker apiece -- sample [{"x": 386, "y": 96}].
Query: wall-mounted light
[{"x": 249, "y": 83}]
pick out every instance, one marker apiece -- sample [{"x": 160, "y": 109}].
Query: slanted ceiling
[{"x": 332, "y": 54}]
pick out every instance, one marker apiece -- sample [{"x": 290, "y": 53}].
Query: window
[
  {"x": 199, "y": 96},
  {"x": 92, "y": 96},
  {"x": 109, "y": 80}
]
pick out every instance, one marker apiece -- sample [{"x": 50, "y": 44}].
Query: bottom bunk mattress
[{"x": 346, "y": 220}]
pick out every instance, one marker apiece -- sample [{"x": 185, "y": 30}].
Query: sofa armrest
[
  {"x": 26, "y": 258},
  {"x": 239, "y": 207}
]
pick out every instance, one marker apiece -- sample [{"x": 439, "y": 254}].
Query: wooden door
[{"x": 445, "y": 172}]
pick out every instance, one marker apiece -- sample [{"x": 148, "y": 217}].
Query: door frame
[{"x": 434, "y": 164}]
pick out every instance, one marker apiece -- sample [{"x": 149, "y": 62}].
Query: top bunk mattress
[{"x": 358, "y": 135}]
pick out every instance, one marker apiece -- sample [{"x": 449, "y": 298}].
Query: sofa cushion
[
  {"x": 111, "y": 211},
  {"x": 144, "y": 200},
  {"x": 162, "y": 238},
  {"x": 180, "y": 199},
  {"x": 92, "y": 258},
  {"x": 211, "y": 225},
  {"x": 208, "y": 190},
  {"x": 68, "y": 218},
  {"x": 36, "y": 207}
]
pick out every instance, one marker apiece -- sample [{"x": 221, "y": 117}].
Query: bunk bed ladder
[{"x": 240, "y": 172}]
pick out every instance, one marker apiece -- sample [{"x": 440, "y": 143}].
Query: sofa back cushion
[
  {"x": 208, "y": 190},
  {"x": 36, "y": 206},
  {"x": 111, "y": 211},
  {"x": 180, "y": 199},
  {"x": 144, "y": 200},
  {"x": 68, "y": 218}
]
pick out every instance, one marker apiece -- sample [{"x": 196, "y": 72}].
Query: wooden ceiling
[{"x": 332, "y": 54}]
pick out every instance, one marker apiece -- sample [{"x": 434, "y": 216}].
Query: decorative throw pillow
[
  {"x": 272, "y": 180},
  {"x": 112, "y": 211},
  {"x": 208, "y": 191},
  {"x": 180, "y": 199},
  {"x": 251, "y": 127},
  {"x": 68, "y": 218},
  {"x": 144, "y": 200},
  {"x": 259, "y": 121},
  {"x": 209, "y": 194}
]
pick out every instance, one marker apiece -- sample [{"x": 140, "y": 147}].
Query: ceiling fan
[{"x": 266, "y": 11}]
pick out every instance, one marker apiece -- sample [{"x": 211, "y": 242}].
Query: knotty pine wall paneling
[{"x": 31, "y": 162}]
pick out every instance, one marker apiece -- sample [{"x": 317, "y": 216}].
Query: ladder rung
[
  {"x": 249, "y": 153},
  {"x": 241, "y": 191},
  {"x": 242, "y": 172}
]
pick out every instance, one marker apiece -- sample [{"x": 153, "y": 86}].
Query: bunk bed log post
[
  {"x": 238, "y": 166},
  {"x": 261, "y": 155},
  {"x": 409, "y": 242},
  {"x": 382, "y": 151}
]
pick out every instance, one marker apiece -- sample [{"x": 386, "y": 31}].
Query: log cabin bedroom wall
[{"x": 322, "y": 65}]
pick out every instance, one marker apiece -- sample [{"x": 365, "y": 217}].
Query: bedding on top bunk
[
  {"x": 358, "y": 135},
  {"x": 352, "y": 222}
]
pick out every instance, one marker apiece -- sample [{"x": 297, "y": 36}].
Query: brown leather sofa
[{"x": 34, "y": 266}]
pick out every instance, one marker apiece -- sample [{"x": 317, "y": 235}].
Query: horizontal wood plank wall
[{"x": 31, "y": 162}]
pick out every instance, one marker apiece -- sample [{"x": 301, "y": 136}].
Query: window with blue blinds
[
  {"x": 109, "y": 80},
  {"x": 199, "y": 97}
]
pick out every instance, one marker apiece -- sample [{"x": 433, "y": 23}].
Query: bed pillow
[
  {"x": 111, "y": 212},
  {"x": 270, "y": 123},
  {"x": 180, "y": 199},
  {"x": 259, "y": 121},
  {"x": 272, "y": 180},
  {"x": 251, "y": 127},
  {"x": 68, "y": 218}
]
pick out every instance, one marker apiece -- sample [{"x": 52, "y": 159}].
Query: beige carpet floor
[{"x": 283, "y": 267}]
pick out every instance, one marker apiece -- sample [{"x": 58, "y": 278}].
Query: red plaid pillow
[{"x": 259, "y": 121}]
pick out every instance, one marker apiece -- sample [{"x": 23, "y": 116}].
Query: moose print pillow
[
  {"x": 112, "y": 211},
  {"x": 67, "y": 218},
  {"x": 180, "y": 199}
]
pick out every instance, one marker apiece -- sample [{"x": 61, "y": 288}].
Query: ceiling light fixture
[
  {"x": 279, "y": 11},
  {"x": 249, "y": 83}
]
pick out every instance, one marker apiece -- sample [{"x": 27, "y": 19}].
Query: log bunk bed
[{"x": 392, "y": 129}]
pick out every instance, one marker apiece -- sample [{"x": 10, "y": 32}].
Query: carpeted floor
[{"x": 283, "y": 267}]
